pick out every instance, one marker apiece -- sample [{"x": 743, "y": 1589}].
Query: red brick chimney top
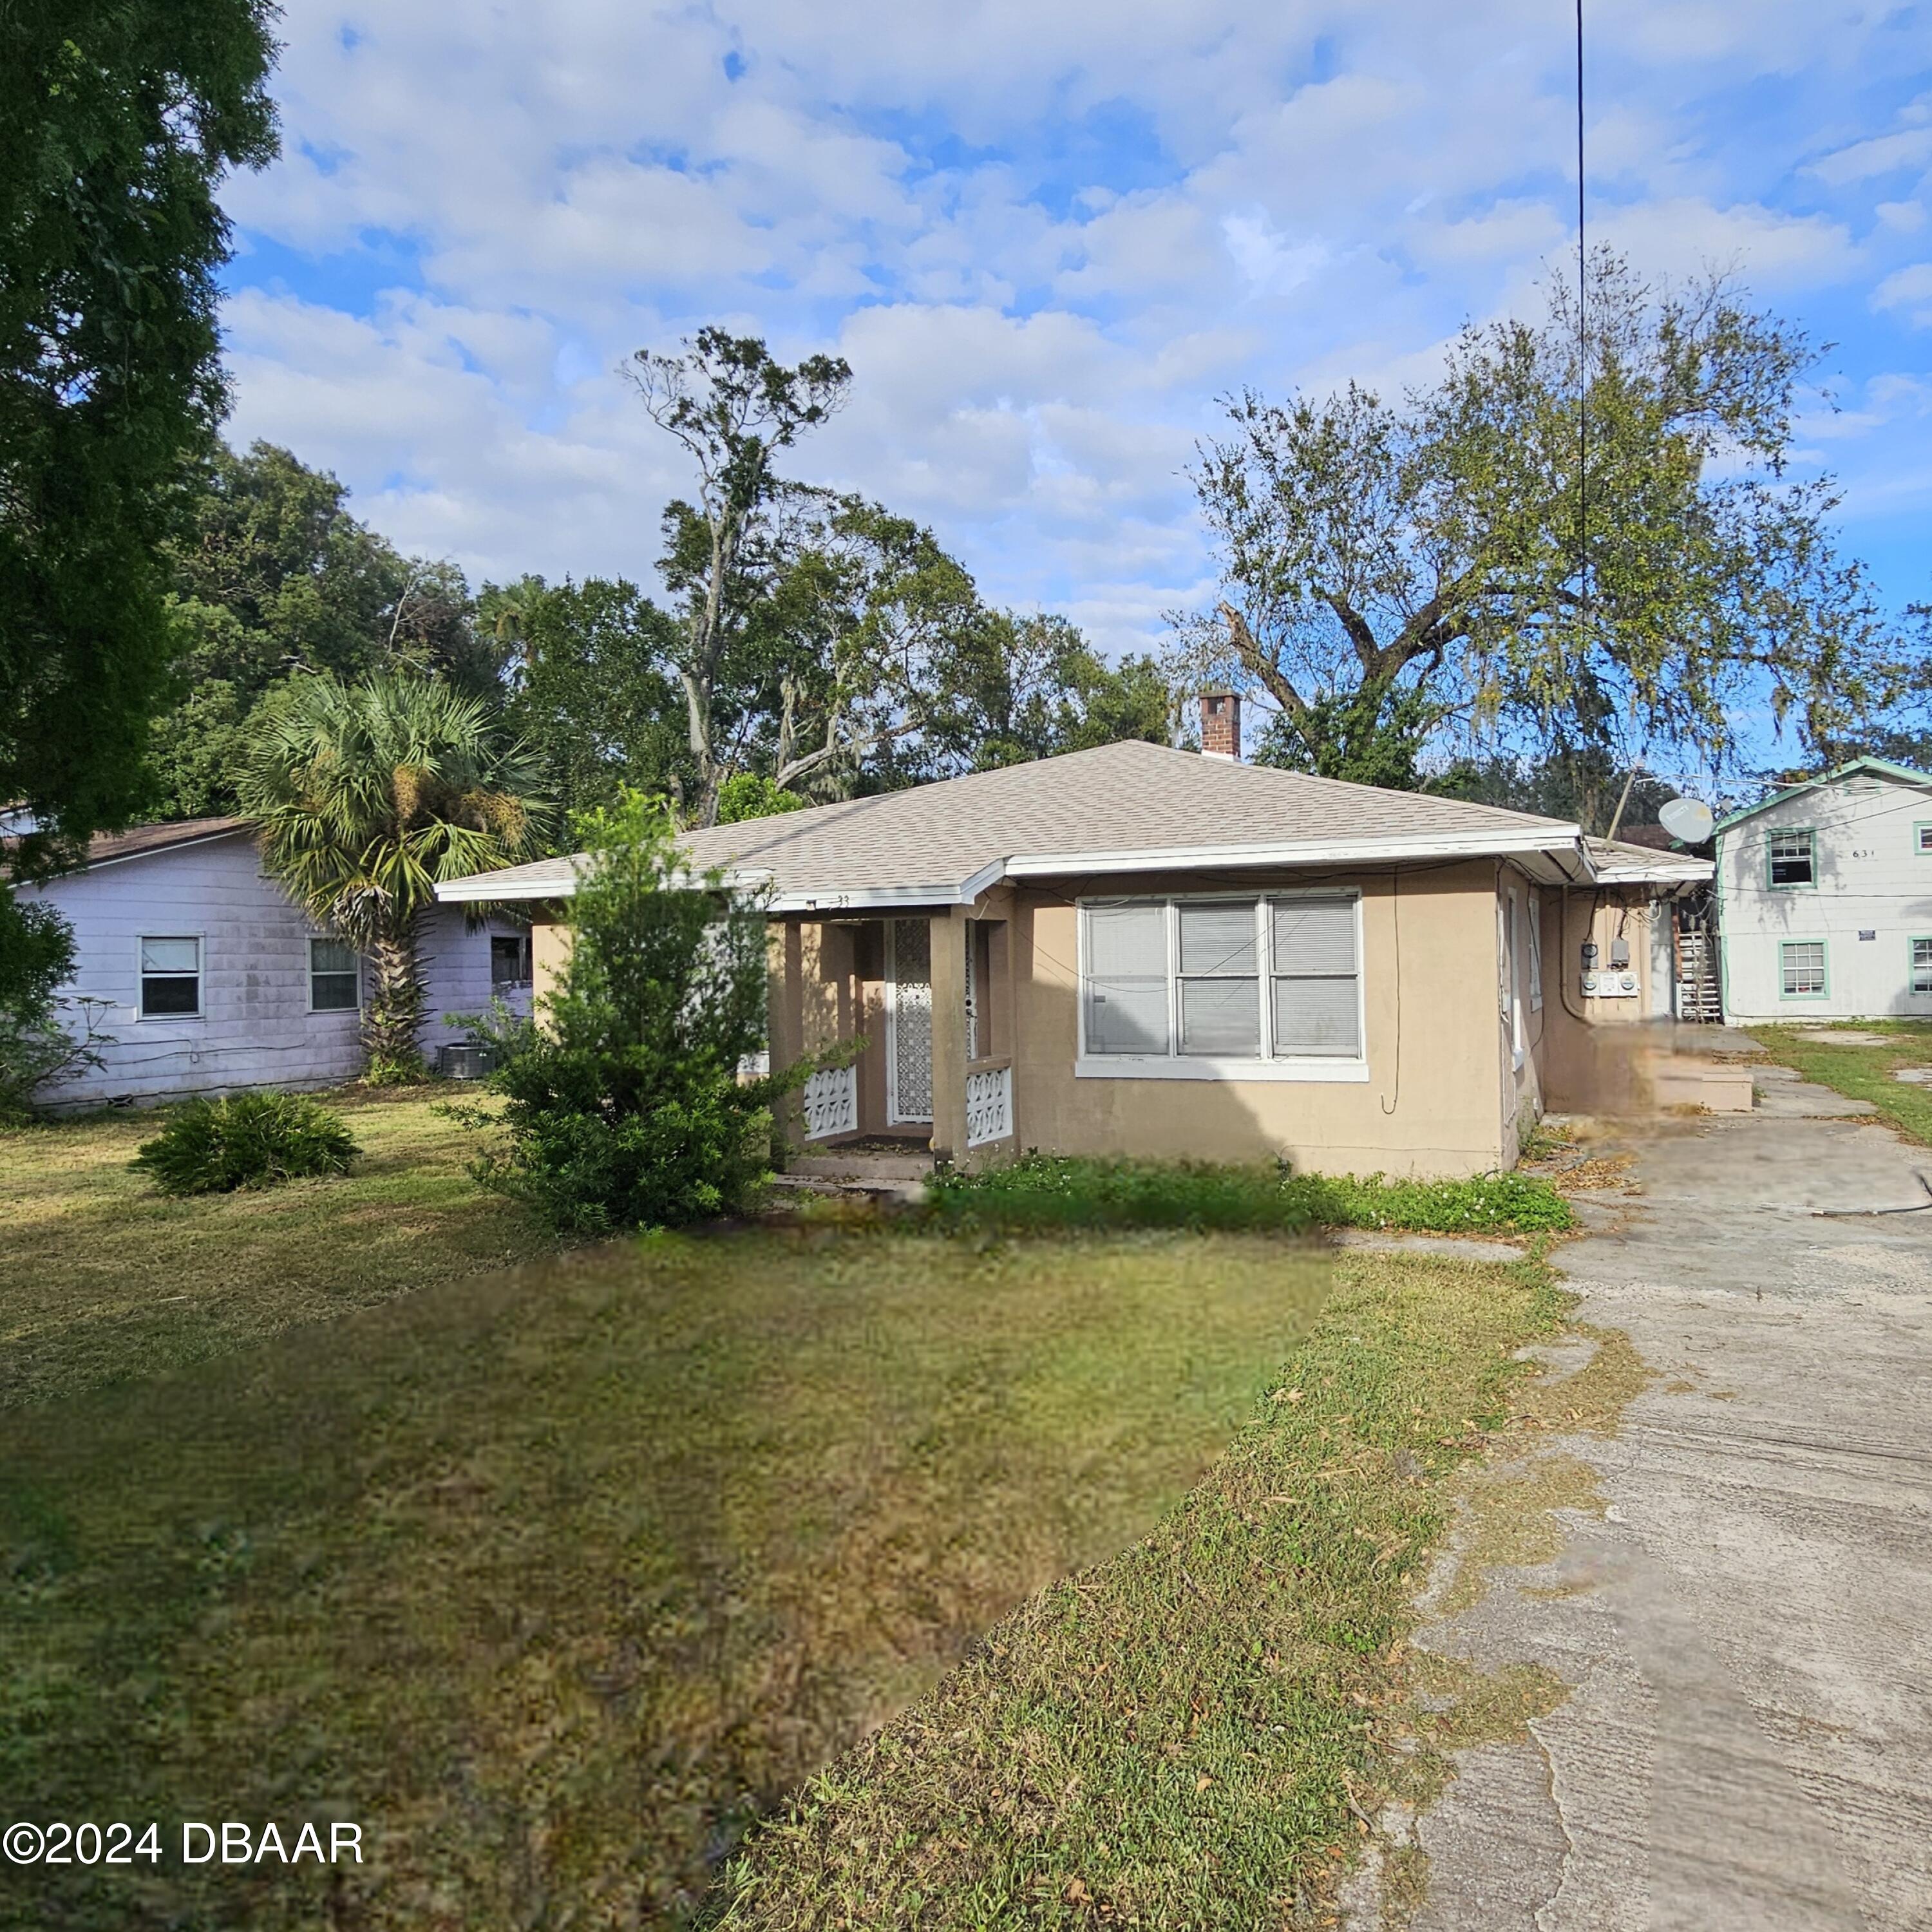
[{"x": 1221, "y": 723}]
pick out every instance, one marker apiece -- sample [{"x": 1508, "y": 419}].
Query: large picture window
[
  {"x": 170, "y": 978},
  {"x": 1211, "y": 987}
]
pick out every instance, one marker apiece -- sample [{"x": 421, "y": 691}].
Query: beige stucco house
[{"x": 1146, "y": 951}]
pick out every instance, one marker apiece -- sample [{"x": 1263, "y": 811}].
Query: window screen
[
  {"x": 170, "y": 977},
  {"x": 333, "y": 977},
  {"x": 1791, "y": 859},
  {"x": 1922, "y": 965},
  {"x": 510, "y": 959},
  {"x": 1316, "y": 975},
  {"x": 1126, "y": 979},
  {"x": 1803, "y": 964},
  {"x": 1220, "y": 980}
]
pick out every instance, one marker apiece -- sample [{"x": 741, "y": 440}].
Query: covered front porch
[{"x": 930, "y": 991}]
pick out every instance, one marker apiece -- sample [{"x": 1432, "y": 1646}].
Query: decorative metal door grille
[{"x": 912, "y": 1020}]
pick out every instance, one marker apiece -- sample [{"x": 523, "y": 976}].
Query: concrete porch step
[{"x": 859, "y": 1170}]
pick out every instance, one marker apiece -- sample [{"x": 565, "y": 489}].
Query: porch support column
[
  {"x": 784, "y": 981},
  {"x": 949, "y": 1035}
]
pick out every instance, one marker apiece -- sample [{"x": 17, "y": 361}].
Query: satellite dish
[{"x": 1688, "y": 820}]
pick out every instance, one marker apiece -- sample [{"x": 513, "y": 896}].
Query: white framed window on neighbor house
[
  {"x": 171, "y": 977},
  {"x": 1801, "y": 965},
  {"x": 1264, "y": 986},
  {"x": 1922, "y": 966},
  {"x": 1791, "y": 858},
  {"x": 334, "y": 977}
]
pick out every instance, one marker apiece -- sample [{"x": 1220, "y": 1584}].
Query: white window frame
[
  {"x": 1510, "y": 939},
  {"x": 1533, "y": 922},
  {"x": 1175, "y": 1065},
  {"x": 142, "y": 976},
  {"x": 316, "y": 939}
]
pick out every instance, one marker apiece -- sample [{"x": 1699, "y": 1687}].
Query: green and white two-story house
[{"x": 1825, "y": 898}]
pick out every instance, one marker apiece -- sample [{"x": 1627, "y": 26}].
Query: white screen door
[{"x": 908, "y": 1021}]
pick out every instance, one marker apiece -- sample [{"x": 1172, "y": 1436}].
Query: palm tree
[{"x": 364, "y": 796}]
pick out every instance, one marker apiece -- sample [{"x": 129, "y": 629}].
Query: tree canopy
[
  {"x": 117, "y": 123},
  {"x": 271, "y": 575},
  {"x": 1473, "y": 562}
]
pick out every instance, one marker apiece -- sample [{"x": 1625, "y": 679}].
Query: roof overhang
[
  {"x": 1556, "y": 856},
  {"x": 1561, "y": 846}
]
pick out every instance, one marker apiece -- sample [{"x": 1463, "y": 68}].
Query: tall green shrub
[{"x": 626, "y": 1105}]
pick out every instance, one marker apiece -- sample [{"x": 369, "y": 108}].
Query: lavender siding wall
[{"x": 255, "y": 1029}]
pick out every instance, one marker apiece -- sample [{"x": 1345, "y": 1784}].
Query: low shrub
[
  {"x": 248, "y": 1140},
  {"x": 1044, "y": 1191}
]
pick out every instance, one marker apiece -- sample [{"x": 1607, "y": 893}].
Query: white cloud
[
  {"x": 1046, "y": 238},
  {"x": 1909, "y": 289}
]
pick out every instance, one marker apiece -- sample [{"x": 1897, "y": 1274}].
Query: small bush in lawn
[
  {"x": 248, "y": 1140},
  {"x": 626, "y": 1108},
  {"x": 1043, "y": 1191}
]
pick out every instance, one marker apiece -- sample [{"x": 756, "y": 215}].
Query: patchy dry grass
[
  {"x": 1865, "y": 1072},
  {"x": 552, "y": 1580},
  {"x": 103, "y": 1277},
  {"x": 1194, "y": 1735}
]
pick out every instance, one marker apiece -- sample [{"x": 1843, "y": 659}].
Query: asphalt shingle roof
[{"x": 1119, "y": 800}]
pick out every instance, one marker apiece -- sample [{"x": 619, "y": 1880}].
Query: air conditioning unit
[{"x": 465, "y": 1060}]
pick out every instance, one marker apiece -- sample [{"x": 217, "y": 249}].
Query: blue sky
[{"x": 1046, "y": 236}]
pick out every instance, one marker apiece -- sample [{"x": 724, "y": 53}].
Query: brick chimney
[{"x": 1220, "y": 725}]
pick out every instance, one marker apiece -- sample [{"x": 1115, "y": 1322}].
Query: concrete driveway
[{"x": 1746, "y": 1627}]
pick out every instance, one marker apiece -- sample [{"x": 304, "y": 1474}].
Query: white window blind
[
  {"x": 1316, "y": 1004},
  {"x": 1126, "y": 979},
  {"x": 1220, "y": 980}
]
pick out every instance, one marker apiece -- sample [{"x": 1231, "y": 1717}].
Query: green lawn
[
  {"x": 102, "y": 1277},
  {"x": 550, "y": 1579},
  {"x": 1865, "y": 1072},
  {"x": 561, "y": 1577},
  {"x": 1189, "y": 1735}
]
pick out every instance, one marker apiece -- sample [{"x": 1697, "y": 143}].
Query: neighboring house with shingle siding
[
  {"x": 207, "y": 978},
  {"x": 1824, "y": 898},
  {"x": 1140, "y": 950}
]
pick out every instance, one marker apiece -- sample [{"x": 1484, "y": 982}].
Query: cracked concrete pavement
[{"x": 1746, "y": 1627}]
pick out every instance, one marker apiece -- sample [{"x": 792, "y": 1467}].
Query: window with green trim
[
  {"x": 1921, "y": 838},
  {"x": 1793, "y": 858},
  {"x": 1802, "y": 965}
]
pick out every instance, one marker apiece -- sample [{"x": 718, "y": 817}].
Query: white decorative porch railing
[
  {"x": 989, "y": 1104},
  {"x": 832, "y": 1102}
]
